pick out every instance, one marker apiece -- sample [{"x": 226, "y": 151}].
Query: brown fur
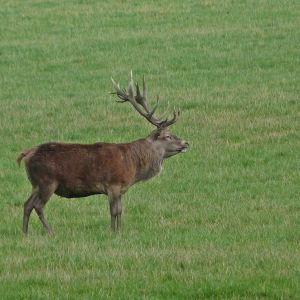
[{"x": 80, "y": 170}]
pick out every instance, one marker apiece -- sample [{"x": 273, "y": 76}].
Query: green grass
[{"x": 221, "y": 221}]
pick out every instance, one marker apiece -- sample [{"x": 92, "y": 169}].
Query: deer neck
[{"x": 148, "y": 159}]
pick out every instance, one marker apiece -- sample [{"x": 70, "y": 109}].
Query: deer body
[{"x": 80, "y": 170}]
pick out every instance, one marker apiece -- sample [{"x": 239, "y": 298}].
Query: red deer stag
[{"x": 79, "y": 170}]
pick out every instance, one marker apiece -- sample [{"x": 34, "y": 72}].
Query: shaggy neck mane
[{"x": 148, "y": 160}]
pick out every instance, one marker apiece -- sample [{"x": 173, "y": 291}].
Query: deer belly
[{"x": 67, "y": 192}]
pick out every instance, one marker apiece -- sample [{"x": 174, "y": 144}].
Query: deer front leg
[
  {"x": 119, "y": 205},
  {"x": 115, "y": 210},
  {"x": 113, "y": 215}
]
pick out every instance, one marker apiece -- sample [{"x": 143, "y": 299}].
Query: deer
[{"x": 74, "y": 170}]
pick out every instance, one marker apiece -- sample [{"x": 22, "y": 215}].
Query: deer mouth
[{"x": 182, "y": 150}]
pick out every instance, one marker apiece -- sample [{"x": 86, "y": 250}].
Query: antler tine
[
  {"x": 176, "y": 116},
  {"x": 151, "y": 113},
  {"x": 166, "y": 111},
  {"x": 122, "y": 95},
  {"x": 130, "y": 89},
  {"x": 142, "y": 99}
]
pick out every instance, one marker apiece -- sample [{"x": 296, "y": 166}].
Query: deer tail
[
  {"x": 22, "y": 154},
  {"x": 20, "y": 157}
]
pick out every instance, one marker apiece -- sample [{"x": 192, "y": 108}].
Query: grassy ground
[{"x": 222, "y": 220}]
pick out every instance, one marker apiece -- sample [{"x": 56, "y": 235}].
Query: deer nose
[{"x": 186, "y": 144}]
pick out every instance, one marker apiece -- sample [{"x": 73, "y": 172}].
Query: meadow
[{"x": 221, "y": 221}]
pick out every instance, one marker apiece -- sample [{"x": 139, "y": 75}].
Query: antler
[{"x": 141, "y": 100}]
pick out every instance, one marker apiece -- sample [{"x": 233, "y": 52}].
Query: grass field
[{"x": 221, "y": 221}]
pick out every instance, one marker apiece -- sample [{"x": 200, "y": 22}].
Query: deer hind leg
[
  {"x": 45, "y": 192},
  {"x": 28, "y": 207},
  {"x": 115, "y": 209}
]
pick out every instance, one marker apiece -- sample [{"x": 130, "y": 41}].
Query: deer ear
[{"x": 156, "y": 134}]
